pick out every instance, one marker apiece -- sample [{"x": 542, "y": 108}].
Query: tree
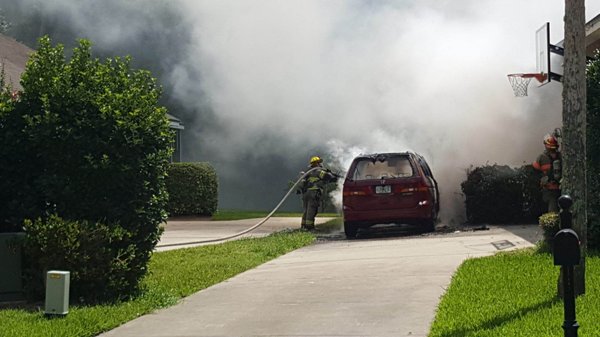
[
  {"x": 593, "y": 152},
  {"x": 87, "y": 142},
  {"x": 574, "y": 125},
  {"x": 4, "y": 24}
]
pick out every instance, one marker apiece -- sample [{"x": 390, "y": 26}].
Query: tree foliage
[
  {"x": 87, "y": 141},
  {"x": 593, "y": 151},
  {"x": 4, "y": 24}
]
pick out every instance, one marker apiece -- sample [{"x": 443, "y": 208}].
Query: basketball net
[{"x": 520, "y": 82}]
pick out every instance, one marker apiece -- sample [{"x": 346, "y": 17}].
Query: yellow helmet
[{"x": 316, "y": 160}]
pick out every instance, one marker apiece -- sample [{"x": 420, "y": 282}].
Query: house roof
[
  {"x": 592, "y": 36},
  {"x": 175, "y": 122},
  {"x": 13, "y": 57}
]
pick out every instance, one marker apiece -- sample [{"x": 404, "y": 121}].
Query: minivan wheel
[
  {"x": 429, "y": 225},
  {"x": 350, "y": 230}
]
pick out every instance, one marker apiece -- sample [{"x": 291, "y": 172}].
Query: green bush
[
  {"x": 7, "y": 105},
  {"x": 87, "y": 140},
  {"x": 193, "y": 189},
  {"x": 501, "y": 194},
  {"x": 98, "y": 257},
  {"x": 593, "y": 152},
  {"x": 550, "y": 224}
]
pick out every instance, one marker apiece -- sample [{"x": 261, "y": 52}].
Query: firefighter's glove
[{"x": 544, "y": 180}]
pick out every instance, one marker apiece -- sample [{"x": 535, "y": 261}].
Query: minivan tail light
[
  {"x": 413, "y": 189},
  {"x": 355, "y": 191},
  {"x": 349, "y": 193}
]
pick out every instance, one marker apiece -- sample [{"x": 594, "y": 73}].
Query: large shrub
[
  {"x": 92, "y": 251},
  {"x": 593, "y": 151},
  {"x": 501, "y": 194},
  {"x": 86, "y": 140},
  {"x": 193, "y": 189},
  {"x": 7, "y": 105}
]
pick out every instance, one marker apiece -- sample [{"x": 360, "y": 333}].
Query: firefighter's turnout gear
[
  {"x": 312, "y": 190},
  {"x": 550, "y": 164}
]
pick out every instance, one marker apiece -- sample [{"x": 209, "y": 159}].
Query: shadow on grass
[
  {"x": 501, "y": 320},
  {"x": 593, "y": 253},
  {"x": 22, "y": 305}
]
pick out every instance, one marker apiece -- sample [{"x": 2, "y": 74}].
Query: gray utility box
[
  {"x": 11, "y": 287},
  {"x": 57, "y": 292}
]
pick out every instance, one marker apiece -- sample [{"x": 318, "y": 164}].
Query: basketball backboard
[{"x": 542, "y": 46}]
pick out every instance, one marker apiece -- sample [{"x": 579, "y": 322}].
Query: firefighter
[
  {"x": 312, "y": 190},
  {"x": 550, "y": 164}
]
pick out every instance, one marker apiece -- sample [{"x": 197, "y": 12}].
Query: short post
[
  {"x": 567, "y": 254},
  {"x": 57, "y": 293}
]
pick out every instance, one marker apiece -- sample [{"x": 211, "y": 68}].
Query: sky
[{"x": 263, "y": 85}]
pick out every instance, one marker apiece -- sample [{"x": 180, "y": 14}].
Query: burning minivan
[{"x": 386, "y": 188}]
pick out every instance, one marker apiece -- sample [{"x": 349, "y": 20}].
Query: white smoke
[
  {"x": 363, "y": 76},
  {"x": 285, "y": 78}
]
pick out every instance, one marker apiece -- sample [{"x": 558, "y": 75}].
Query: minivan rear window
[{"x": 382, "y": 168}]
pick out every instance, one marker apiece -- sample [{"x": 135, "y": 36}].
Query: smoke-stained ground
[{"x": 263, "y": 85}]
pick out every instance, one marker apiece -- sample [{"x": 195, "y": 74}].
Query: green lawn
[
  {"x": 173, "y": 275},
  {"x": 509, "y": 294},
  {"x": 230, "y": 214},
  {"x": 513, "y": 294}
]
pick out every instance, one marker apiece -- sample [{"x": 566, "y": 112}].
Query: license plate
[{"x": 383, "y": 189}]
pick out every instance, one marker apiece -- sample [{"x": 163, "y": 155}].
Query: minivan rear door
[{"x": 382, "y": 183}]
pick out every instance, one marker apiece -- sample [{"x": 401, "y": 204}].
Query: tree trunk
[{"x": 574, "y": 126}]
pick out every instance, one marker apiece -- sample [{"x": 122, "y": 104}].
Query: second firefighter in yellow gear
[{"x": 312, "y": 191}]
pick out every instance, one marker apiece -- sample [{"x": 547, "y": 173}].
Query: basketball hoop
[{"x": 520, "y": 82}]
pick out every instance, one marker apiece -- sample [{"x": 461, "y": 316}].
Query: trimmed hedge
[
  {"x": 501, "y": 194},
  {"x": 193, "y": 189}
]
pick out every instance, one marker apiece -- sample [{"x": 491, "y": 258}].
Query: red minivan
[{"x": 385, "y": 188}]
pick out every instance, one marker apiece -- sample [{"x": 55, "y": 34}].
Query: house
[
  {"x": 592, "y": 36},
  {"x": 177, "y": 126},
  {"x": 14, "y": 57}
]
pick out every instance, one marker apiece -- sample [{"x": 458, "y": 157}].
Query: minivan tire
[
  {"x": 350, "y": 230},
  {"x": 429, "y": 225}
]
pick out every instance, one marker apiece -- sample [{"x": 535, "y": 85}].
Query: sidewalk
[{"x": 371, "y": 287}]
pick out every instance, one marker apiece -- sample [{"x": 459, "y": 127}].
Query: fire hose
[{"x": 249, "y": 229}]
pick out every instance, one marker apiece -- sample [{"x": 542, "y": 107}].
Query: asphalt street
[{"x": 377, "y": 285}]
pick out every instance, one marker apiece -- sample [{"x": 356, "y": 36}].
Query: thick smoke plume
[{"x": 263, "y": 85}]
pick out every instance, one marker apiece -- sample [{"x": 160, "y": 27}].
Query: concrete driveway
[
  {"x": 181, "y": 232},
  {"x": 382, "y": 286}
]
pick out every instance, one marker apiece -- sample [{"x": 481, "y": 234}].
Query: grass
[
  {"x": 514, "y": 294},
  {"x": 230, "y": 214},
  {"x": 508, "y": 294},
  {"x": 173, "y": 275},
  {"x": 332, "y": 225}
]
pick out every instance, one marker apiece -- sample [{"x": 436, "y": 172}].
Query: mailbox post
[{"x": 567, "y": 254}]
